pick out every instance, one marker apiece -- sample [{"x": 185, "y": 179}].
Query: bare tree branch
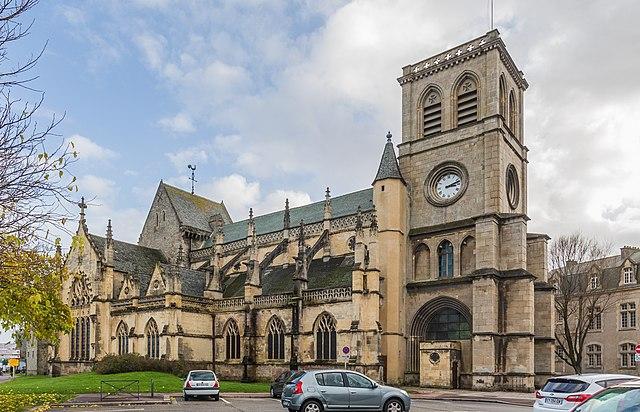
[
  {"x": 36, "y": 186},
  {"x": 580, "y": 297}
]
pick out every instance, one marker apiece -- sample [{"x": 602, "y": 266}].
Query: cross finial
[
  {"x": 327, "y": 194},
  {"x": 82, "y": 205},
  {"x": 250, "y": 213},
  {"x": 389, "y": 136}
]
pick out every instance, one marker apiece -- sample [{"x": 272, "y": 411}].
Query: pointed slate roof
[
  {"x": 193, "y": 210},
  {"x": 388, "y": 168},
  {"x": 133, "y": 259}
]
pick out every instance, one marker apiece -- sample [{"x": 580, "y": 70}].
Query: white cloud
[
  {"x": 89, "y": 150},
  {"x": 152, "y": 47},
  {"x": 182, "y": 158},
  {"x": 239, "y": 195},
  {"x": 95, "y": 187},
  {"x": 180, "y": 123}
]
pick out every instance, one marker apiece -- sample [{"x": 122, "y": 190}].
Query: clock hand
[{"x": 457, "y": 182}]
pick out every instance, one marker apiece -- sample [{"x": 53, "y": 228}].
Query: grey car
[{"x": 339, "y": 390}]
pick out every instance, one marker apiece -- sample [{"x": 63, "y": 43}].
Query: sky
[{"x": 274, "y": 99}]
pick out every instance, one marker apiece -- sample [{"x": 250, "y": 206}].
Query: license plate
[{"x": 553, "y": 401}]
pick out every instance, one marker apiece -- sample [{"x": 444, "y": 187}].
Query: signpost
[
  {"x": 637, "y": 355},
  {"x": 14, "y": 363},
  {"x": 345, "y": 355}
]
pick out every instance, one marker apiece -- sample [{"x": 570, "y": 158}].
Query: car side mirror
[{"x": 375, "y": 385}]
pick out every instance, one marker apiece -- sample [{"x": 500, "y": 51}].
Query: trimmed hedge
[{"x": 132, "y": 362}]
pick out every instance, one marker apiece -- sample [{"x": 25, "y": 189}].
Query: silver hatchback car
[{"x": 337, "y": 390}]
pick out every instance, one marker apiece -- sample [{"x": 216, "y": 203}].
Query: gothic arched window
[
  {"x": 467, "y": 101},
  {"x": 275, "y": 339},
  {"x": 448, "y": 324},
  {"x": 468, "y": 255},
  {"x": 153, "y": 339},
  {"x": 431, "y": 113},
  {"x": 232, "y": 340},
  {"x": 326, "y": 337},
  {"x": 83, "y": 338},
  {"x": 123, "y": 339},
  {"x": 513, "y": 113},
  {"x": 421, "y": 262},
  {"x": 87, "y": 338},
  {"x": 445, "y": 259},
  {"x": 75, "y": 341},
  {"x": 503, "y": 97}
]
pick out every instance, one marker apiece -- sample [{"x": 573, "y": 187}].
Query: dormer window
[{"x": 628, "y": 277}]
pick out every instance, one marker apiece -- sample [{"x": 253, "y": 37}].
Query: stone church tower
[{"x": 475, "y": 279}]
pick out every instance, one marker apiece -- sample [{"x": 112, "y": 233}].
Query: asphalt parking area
[{"x": 273, "y": 405}]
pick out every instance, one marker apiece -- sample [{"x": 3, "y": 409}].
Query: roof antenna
[
  {"x": 193, "y": 177},
  {"x": 491, "y": 2}
]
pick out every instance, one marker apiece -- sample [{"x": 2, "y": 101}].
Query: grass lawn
[{"x": 89, "y": 382}]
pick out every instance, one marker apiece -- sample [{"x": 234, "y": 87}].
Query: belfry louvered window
[
  {"x": 432, "y": 113},
  {"x": 467, "y": 101}
]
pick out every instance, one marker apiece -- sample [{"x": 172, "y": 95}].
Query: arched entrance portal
[{"x": 443, "y": 322}]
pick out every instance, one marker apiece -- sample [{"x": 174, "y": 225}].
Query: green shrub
[{"x": 132, "y": 362}]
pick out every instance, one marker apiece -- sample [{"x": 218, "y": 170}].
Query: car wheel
[
  {"x": 216, "y": 397},
  {"x": 393, "y": 405},
  {"x": 311, "y": 406},
  {"x": 186, "y": 397}
]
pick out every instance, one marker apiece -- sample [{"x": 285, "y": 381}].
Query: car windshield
[
  {"x": 202, "y": 376},
  {"x": 613, "y": 400},
  {"x": 561, "y": 385}
]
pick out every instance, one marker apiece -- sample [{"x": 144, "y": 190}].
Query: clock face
[{"x": 448, "y": 185}]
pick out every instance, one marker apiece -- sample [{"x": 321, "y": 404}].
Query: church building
[{"x": 429, "y": 277}]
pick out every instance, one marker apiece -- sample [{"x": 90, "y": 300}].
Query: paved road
[{"x": 273, "y": 405}]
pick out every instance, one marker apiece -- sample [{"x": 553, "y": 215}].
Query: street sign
[
  {"x": 14, "y": 362},
  {"x": 638, "y": 348},
  {"x": 637, "y": 357},
  {"x": 345, "y": 355},
  {"x": 346, "y": 350}
]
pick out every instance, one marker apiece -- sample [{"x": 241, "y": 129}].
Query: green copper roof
[{"x": 341, "y": 206}]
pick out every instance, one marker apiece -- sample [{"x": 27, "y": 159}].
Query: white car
[
  {"x": 201, "y": 383},
  {"x": 565, "y": 392}
]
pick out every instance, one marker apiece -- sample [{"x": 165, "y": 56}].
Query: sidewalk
[
  {"x": 145, "y": 398},
  {"x": 510, "y": 398}
]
